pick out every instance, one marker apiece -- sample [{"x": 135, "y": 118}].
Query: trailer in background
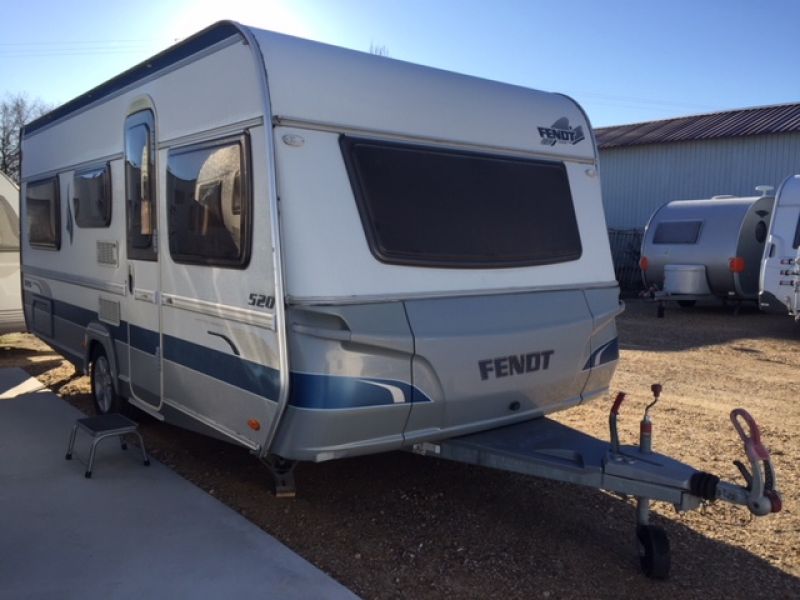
[
  {"x": 780, "y": 270},
  {"x": 703, "y": 249},
  {"x": 11, "y": 316}
]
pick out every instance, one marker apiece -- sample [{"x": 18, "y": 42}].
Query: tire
[
  {"x": 654, "y": 552},
  {"x": 104, "y": 397},
  {"x": 687, "y": 303}
]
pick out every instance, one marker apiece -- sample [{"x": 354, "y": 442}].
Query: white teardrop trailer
[
  {"x": 779, "y": 284},
  {"x": 318, "y": 253}
]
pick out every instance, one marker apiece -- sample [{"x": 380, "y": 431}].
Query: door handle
[{"x": 130, "y": 279}]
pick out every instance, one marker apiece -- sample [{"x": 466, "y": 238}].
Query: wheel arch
[{"x": 98, "y": 335}]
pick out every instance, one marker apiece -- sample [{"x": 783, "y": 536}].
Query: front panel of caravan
[
  {"x": 780, "y": 272},
  {"x": 467, "y": 348}
]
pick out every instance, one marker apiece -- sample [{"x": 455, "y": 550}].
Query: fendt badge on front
[{"x": 516, "y": 364}]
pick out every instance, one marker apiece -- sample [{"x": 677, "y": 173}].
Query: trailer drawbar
[{"x": 545, "y": 448}]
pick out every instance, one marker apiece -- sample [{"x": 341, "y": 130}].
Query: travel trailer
[
  {"x": 11, "y": 317},
  {"x": 780, "y": 269},
  {"x": 700, "y": 249},
  {"x": 318, "y": 253}
]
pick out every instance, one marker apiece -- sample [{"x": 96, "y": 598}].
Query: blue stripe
[
  {"x": 80, "y": 316},
  {"x": 606, "y": 353},
  {"x": 337, "y": 392},
  {"x": 236, "y": 371},
  {"x": 143, "y": 339},
  {"x": 306, "y": 390}
]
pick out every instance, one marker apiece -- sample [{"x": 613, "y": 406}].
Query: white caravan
[
  {"x": 11, "y": 317},
  {"x": 780, "y": 268},
  {"x": 318, "y": 253}
]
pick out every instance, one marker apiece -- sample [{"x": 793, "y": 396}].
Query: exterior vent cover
[
  {"x": 107, "y": 253},
  {"x": 108, "y": 311}
]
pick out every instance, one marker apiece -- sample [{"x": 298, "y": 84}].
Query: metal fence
[{"x": 626, "y": 247}]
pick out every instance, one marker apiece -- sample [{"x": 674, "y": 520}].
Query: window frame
[
  {"x": 107, "y": 195},
  {"x": 55, "y": 211},
  {"x": 346, "y": 144},
  {"x": 144, "y": 117},
  {"x": 245, "y": 205}
]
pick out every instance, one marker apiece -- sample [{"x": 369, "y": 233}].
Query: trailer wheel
[
  {"x": 105, "y": 398},
  {"x": 687, "y": 303},
  {"x": 654, "y": 554}
]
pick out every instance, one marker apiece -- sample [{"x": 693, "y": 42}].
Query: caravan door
[
  {"x": 779, "y": 272},
  {"x": 143, "y": 315}
]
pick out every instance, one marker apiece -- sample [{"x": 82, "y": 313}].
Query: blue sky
[{"x": 625, "y": 61}]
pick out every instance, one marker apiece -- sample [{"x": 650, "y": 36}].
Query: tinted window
[
  {"x": 92, "y": 197},
  {"x": 432, "y": 207},
  {"x": 9, "y": 227},
  {"x": 761, "y": 232},
  {"x": 44, "y": 213},
  {"x": 796, "y": 243},
  {"x": 677, "y": 232},
  {"x": 209, "y": 204},
  {"x": 140, "y": 184}
]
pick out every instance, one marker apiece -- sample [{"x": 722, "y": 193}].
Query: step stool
[{"x": 101, "y": 427}]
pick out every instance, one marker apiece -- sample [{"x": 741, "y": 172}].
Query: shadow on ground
[{"x": 701, "y": 325}]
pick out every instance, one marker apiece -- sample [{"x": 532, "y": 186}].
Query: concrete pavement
[{"x": 130, "y": 531}]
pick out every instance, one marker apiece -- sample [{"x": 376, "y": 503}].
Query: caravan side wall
[
  {"x": 780, "y": 271},
  {"x": 191, "y": 314}
]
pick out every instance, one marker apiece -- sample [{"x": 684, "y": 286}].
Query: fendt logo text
[{"x": 561, "y": 133}]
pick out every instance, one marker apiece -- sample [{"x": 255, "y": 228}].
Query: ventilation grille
[
  {"x": 107, "y": 253},
  {"x": 108, "y": 311}
]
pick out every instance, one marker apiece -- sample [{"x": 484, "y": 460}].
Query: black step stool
[{"x": 101, "y": 427}]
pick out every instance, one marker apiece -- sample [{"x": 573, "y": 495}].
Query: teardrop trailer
[
  {"x": 712, "y": 248},
  {"x": 779, "y": 284},
  {"x": 316, "y": 253}
]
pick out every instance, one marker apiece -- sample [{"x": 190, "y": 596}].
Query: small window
[
  {"x": 44, "y": 213},
  {"x": 677, "y": 232},
  {"x": 761, "y": 232},
  {"x": 92, "y": 197},
  {"x": 140, "y": 198},
  {"x": 9, "y": 227},
  {"x": 796, "y": 243},
  {"x": 209, "y": 204},
  {"x": 433, "y": 207}
]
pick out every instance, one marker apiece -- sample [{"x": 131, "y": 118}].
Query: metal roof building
[{"x": 645, "y": 165}]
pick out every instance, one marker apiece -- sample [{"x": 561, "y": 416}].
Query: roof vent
[{"x": 764, "y": 190}]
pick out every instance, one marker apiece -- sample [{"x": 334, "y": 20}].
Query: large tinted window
[
  {"x": 44, "y": 213},
  {"x": 140, "y": 184},
  {"x": 9, "y": 227},
  {"x": 209, "y": 204},
  {"x": 92, "y": 197},
  {"x": 432, "y": 207},
  {"x": 677, "y": 232}
]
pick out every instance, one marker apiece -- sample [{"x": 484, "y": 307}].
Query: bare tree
[
  {"x": 15, "y": 111},
  {"x": 378, "y": 50}
]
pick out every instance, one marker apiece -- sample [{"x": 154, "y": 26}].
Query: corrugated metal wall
[{"x": 638, "y": 179}]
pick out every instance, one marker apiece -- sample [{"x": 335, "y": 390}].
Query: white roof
[{"x": 311, "y": 82}]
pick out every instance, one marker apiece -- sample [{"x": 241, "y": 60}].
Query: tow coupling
[
  {"x": 549, "y": 449},
  {"x": 759, "y": 494}
]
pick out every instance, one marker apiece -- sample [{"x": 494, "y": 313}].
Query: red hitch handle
[
  {"x": 752, "y": 443},
  {"x": 617, "y": 403}
]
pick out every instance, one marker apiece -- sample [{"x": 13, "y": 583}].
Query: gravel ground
[{"x": 402, "y": 526}]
